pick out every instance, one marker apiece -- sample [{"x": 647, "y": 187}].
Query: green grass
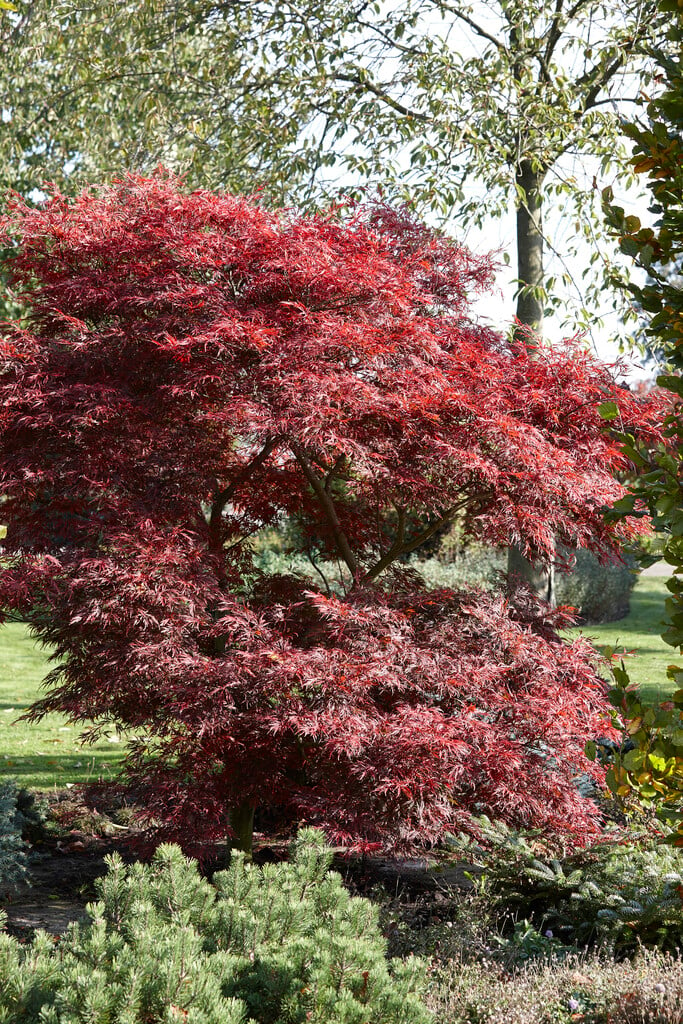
[
  {"x": 45, "y": 755},
  {"x": 646, "y": 656}
]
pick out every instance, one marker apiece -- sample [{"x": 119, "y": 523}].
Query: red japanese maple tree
[{"x": 193, "y": 369}]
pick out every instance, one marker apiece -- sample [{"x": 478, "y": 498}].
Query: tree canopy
[
  {"x": 194, "y": 368},
  {"x": 422, "y": 98}
]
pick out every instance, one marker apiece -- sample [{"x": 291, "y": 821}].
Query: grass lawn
[
  {"x": 46, "y": 755},
  {"x": 646, "y": 656}
]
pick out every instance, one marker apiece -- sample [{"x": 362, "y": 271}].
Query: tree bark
[
  {"x": 242, "y": 828},
  {"x": 530, "y": 271},
  {"x": 529, "y": 249}
]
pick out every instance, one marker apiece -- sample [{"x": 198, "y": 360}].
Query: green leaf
[
  {"x": 671, "y": 383},
  {"x": 608, "y": 410},
  {"x": 633, "y": 760}
]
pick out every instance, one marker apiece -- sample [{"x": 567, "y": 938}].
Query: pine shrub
[{"x": 281, "y": 944}]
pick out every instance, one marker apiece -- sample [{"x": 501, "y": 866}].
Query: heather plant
[
  {"x": 194, "y": 369},
  {"x": 282, "y": 944},
  {"x": 581, "y": 990}
]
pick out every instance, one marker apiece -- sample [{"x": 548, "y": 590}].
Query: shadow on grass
[{"x": 40, "y": 771}]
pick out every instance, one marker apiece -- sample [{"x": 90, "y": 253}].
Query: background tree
[
  {"x": 193, "y": 369},
  {"x": 654, "y": 769},
  {"x": 472, "y": 111},
  {"x": 421, "y": 98}
]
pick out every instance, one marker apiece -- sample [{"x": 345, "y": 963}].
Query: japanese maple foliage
[{"x": 194, "y": 368}]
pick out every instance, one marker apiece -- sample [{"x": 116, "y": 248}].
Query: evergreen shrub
[
  {"x": 12, "y": 851},
  {"x": 620, "y": 894},
  {"x": 281, "y": 944},
  {"x": 600, "y": 593}
]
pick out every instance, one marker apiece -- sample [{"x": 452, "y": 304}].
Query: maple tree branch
[
  {"x": 394, "y": 551},
  {"x": 222, "y": 498},
  {"x": 402, "y": 547},
  {"x": 321, "y": 574},
  {"x": 328, "y": 508},
  {"x": 334, "y": 472}
]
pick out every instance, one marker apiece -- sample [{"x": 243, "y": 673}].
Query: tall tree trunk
[
  {"x": 529, "y": 247},
  {"x": 242, "y": 828},
  {"x": 529, "y": 314}
]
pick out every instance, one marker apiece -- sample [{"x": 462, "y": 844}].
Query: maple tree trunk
[
  {"x": 529, "y": 313},
  {"x": 242, "y": 828}
]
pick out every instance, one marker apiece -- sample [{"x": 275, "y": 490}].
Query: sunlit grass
[
  {"x": 47, "y": 754},
  {"x": 646, "y": 656}
]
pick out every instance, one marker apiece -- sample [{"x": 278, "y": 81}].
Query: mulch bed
[{"x": 70, "y": 833}]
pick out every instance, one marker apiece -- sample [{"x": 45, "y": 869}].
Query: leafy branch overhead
[
  {"x": 654, "y": 769},
  {"x": 471, "y": 110},
  {"x": 193, "y": 369}
]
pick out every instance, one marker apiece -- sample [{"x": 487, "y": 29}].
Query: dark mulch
[{"x": 71, "y": 832}]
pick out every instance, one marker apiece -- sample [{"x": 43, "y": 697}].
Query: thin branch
[
  {"x": 402, "y": 547},
  {"x": 366, "y": 83},
  {"x": 412, "y": 51},
  {"x": 221, "y": 498},
  {"x": 598, "y": 81},
  {"x": 393, "y": 552},
  {"x": 553, "y": 34},
  {"x": 328, "y": 508},
  {"x": 558, "y": 24},
  {"x": 319, "y": 571},
  {"x": 475, "y": 26}
]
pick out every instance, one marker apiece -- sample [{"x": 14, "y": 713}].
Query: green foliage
[
  {"x": 620, "y": 894},
  {"x": 600, "y": 593},
  {"x": 528, "y": 943},
  {"x": 476, "y": 566},
  {"x": 655, "y": 770},
  {"x": 438, "y": 103},
  {"x": 12, "y": 852},
  {"x": 282, "y": 944}
]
